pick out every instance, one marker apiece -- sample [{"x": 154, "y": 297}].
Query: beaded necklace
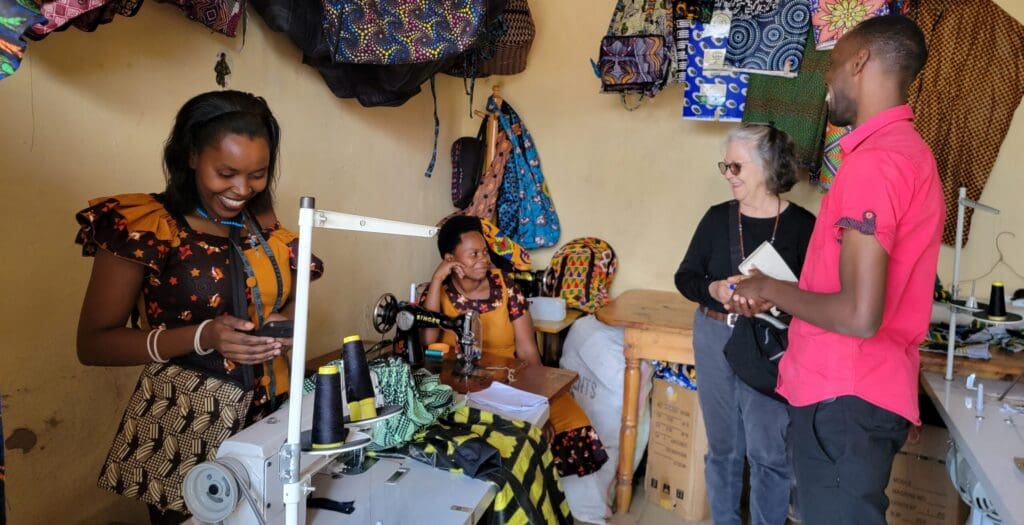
[
  {"x": 775, "y": 229},
  {"x": 202, "y": 213}
]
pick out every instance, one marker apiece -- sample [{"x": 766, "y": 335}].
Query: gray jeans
[{"x": 742, "y": 424}]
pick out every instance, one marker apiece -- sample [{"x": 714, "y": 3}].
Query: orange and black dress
[
  {"x": 187, "y": 281},
  {"x": 576, "y": 447}
]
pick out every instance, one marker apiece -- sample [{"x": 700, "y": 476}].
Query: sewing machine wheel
[
  {"x": 384, "y": 313},
  {"x": 549, "y": 284},
  {"x": 211, "y": 492}
]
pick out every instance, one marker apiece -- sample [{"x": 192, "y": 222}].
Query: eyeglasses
[{"x": 733, "y": 167}]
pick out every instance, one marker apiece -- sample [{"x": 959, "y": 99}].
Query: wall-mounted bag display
[
  {"x": 467, "y": 165},
  {"x": 389, "y": 32},
  {"x": 635, "y": 56},
  {"x": 514, "y": 45}
]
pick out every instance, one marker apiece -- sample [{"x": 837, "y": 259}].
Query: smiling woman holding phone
[{"x": 186, "y": 282}]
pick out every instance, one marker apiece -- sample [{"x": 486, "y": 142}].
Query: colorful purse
[
  {"x": 390, "y": 32},
  {"x": 633, "y": 64},
  {"x": 635, "y": 56}
]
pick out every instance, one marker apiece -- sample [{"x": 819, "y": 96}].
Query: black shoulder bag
[{"x": 757, "y": 343}]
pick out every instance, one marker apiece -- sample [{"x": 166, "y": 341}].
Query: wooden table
[
  {"x": 1003, "y": 365},
  {"x": 541, "y": 380},
  {"x": 551, "y": 335},
  {"x": 658, "y": 325}
]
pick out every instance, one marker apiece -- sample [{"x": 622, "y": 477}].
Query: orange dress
[
  {"x": 186, "y": 278},
  {"x": 576, "y": 447}
]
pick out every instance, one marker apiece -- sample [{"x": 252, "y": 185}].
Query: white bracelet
[
  {"x": 151, "y": 345},
  {"x": 195, "y": 340}
]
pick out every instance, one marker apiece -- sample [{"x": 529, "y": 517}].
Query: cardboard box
[
  {"x": 920, "y": 491},
  {"x": 675, "y": 452}
]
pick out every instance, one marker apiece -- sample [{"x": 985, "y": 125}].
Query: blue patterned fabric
[
  {"x": 764, "y": 44},
  {"x": 15, "y": 18},
  {"x": 388, "y": 32},
  {"x": 525, "y": 210},
  {"x": 711, "y": 95}
]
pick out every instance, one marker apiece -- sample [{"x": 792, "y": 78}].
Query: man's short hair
[{"x": 897, "y": 41}]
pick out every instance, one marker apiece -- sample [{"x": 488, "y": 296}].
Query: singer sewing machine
[{"x": 409, "y": 318}]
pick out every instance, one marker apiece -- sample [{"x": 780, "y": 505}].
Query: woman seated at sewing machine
[{"x": 466, "y": 280}]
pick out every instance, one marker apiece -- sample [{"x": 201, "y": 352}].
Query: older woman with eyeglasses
[{"x": 743, "y": 424}]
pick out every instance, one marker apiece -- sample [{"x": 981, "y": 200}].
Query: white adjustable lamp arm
[
  {"x": 954, "y": 289},
  {"x": 309, "y": 217}
]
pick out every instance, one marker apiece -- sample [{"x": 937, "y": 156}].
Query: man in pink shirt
[{"x": 864, "y": 298}]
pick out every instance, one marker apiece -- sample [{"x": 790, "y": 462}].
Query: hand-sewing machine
[{"x": 409, "y": 318}]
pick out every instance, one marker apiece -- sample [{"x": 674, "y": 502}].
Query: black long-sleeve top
[{"x": 707, "y": 259}]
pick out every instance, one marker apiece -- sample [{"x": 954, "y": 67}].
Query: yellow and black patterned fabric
[{"x": 512, "y": 454}]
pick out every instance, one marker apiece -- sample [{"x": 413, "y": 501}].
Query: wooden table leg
[{"x": 627, "y": 434}]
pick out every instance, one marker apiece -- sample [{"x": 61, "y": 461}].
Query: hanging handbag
[
  {"x": 390, "y": 32},
  {"x": 467, "y": 166},
  {"x": 526, "y": 212},
  {"x": 176, "y": 418},
  {"x": 635, "y": 55},
  {"x": 514, "y": 45},
  {"x": 757, "y": 344}
]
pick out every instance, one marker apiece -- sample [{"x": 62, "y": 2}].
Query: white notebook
[{"x": 769, "y": 262}]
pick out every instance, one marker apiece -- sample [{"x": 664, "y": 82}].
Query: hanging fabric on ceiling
[
  {"x": 965, "y": 127},
  {"x": 222, "y": 16},
  {"x": 772, "y": 43},
  {"x": 389, "y": 32},
  {"x": 60, "y": 13},
  {"x": 16, "y": 17},
  {"x": 794, "y": 105},
  {"x": 710, "y": 91},
  {"x": 85, "y": 15}
]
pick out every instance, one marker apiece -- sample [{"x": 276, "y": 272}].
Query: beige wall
[{"x": 86, "y": 116}]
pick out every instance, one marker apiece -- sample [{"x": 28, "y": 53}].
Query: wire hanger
[{"x": 1000, "y": 260}]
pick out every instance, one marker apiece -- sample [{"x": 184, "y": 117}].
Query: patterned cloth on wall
[
  {"x": 222, "y": 16},
  {"x": 824, "y": 177},
  {"x": 16, "y": 17},
  {"x": 794, "y": 105},
  {"x": 711, "y": 94},
  {"x": 647, "y": 17},
  {"x": 831, "y": 19},
  {"x": 749, "y": 8},
  {"x": 770, "y": 44},
  {"x": 965, "y": 98}
]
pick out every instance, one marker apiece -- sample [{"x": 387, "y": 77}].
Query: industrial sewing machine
[
  {"x": 244, "y": 485},
  {"x": 409, "y": 318}
]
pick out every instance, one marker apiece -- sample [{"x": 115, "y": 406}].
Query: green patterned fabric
[
  {"x": 794, "y": 105},
  {"x": 421, "y": 395}
]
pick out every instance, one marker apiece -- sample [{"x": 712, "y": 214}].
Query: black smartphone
[{"x": 282, "y": 329}]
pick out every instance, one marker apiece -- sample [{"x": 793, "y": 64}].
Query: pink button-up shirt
[{"x": 887, "y": 186}]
